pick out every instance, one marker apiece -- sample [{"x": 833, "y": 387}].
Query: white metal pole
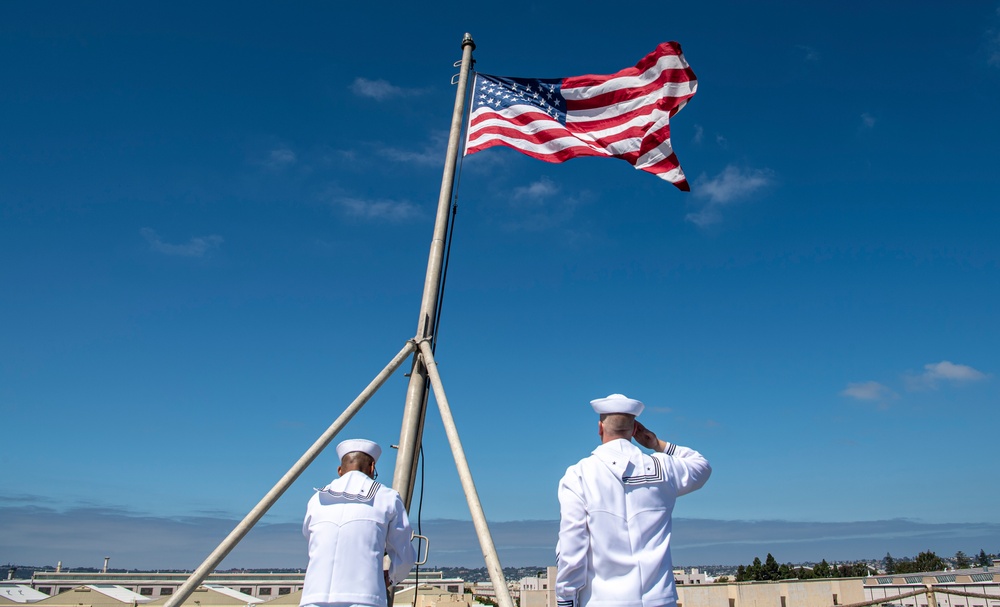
[
  {"x": 468, "y": 485},
  {"x": 237, "y": 534},
  {"x": 415, "y": 407}
]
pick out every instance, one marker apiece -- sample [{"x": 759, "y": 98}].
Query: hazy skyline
[{"x": 84, "y": 536}]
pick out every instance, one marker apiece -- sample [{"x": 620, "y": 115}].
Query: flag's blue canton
[{"x": 499, "y": 93}]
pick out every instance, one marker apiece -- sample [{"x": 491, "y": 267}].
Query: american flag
[{"x": 624, "y": 115}]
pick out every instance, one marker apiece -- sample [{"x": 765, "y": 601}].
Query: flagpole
[{"x": 416, "y": 392}]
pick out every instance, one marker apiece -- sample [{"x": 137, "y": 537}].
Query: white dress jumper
[
  {"x": 350, "y": 524},
  {"x": 615, "y": 525}
]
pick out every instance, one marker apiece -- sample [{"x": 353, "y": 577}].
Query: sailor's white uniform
[
  {"x": 615, "y": 525},
  {"x": 349, "y": 525}
]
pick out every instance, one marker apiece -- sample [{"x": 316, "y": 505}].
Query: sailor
[
  {"x": 350, "y": 525},
  {"x": 615, "y": 514}
]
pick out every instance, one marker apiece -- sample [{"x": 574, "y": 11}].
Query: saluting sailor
[
  {"x": 615, "y": 514},
  {"x": 350, "y": 524}
]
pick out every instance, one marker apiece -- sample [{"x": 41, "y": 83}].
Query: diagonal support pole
[
  {"x": 465, "y": 475},
  {"x": 238, "y": 533}
]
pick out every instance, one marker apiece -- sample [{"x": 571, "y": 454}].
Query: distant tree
[
  {"x": 770, "y": 571},
  {"x": 756, "y": 570},
  {"x": 890, "y": 563},
  {"x": 906, "y": 566},
  {"x": 785, "y": 572},
  {"x": 983, "y": 560},
  {"x": 804, "y": 573},
  {"x": 723, "y": 579},
  {"x": 741, "y": 574},
  {"x": 823, "y": 569},
  {"x": 962, "y": 561},
  {"x": 928, "y": 561}
]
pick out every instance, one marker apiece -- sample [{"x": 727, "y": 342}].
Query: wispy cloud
[
  {"x": 809, "y": 53},
  {"x": 932, "y": 377},
  {"x": 868, "y": 391},
  {"x": 431, "y": 154},
  {"x": 196, "y": 247},
  {"x": 992, "y": 45},
  {"x": 867, "y": 121},
  {"x": 280, "y": 158},
  {"x": 935, "y": 374},
  {"x": 540, "y": 205},
  {"x": 699, "y": 134},
  {"x": 380, "y": 90},
  {"x": 40, "y": 534},
  {"x": 379, "y": 209},
  {"x": 537, "y": 191},
  {"x": 72, "y": 535},
  {"x": 731, "y": 186}
]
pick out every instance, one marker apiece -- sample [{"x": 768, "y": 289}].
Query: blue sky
[{"x": 214, "y": 224}]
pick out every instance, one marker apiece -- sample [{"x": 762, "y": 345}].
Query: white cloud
[
  {"x": 660, "y": 409},
  {"x": 809, "y": 53},
  {"x": 868, "y": 390},
  {"x": 380, "y": 90},
  {"x": 543, "y": 188},
  {"x": 280, "y": 158},
  {"x": 945, "y": 371},
  {"x": 699, "y": 134},
  {"x": 390, "y": 210},
  {"x": 729, "y": 187},
  {"x": 422, "y": 157},
  {"x": 867, "y": 120},
  {"x": 993, "y": 48},
  {"x": 949, "y": 370},
  {"x": 432, "y": 154},
  {"x": 196, "y": 247},
  {"x": 541, "y": 205}
]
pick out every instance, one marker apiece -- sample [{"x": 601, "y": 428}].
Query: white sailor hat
[
  {"x": 359, "y": 444},
  {"x": 617, "y": 403}
]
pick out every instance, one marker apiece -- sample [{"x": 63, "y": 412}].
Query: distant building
[
  {"x": 242, "y": 588},
  {"x": 212, "y": 595},
  {"x": 695, "y": 577},
  {"x": 487, "y": 591},
  {"x": 540, "y": 590},
  {"x": 822, "y": 592},
  {"x": 977, "y": 581},
  {"x": 426, "y": 595},
  {"x": 19, "y": 593},
  {"x": 95, "y": 595},
  {"x": 434, "y": 579},
  {"x": 152, "y": 586}
]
